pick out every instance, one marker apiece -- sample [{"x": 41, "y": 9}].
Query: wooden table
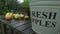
[{"x": 21, "y": 26}]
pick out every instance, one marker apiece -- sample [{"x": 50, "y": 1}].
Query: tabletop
[{"x": 20, "y": 25}]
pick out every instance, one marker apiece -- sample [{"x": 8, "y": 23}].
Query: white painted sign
[{"x": 45, "y": 16}]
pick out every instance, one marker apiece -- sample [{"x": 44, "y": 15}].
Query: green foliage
[
  {"x": 26, "y": 3},
  {"x": 3, "y": 7},
  {"x": 0, "y": 4},
  {"x": 8, "y": 6},
  {"x": 12, "y": 5}
]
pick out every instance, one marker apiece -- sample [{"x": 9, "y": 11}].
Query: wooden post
[
  {"x": 10, "y": 30},
  {"x": 4, "y": 29},
  {"x": 15, "y": 32},
  {"x": 21, "y": 33}
]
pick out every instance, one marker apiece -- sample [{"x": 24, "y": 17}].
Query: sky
[{"x": 20, "y": 1}]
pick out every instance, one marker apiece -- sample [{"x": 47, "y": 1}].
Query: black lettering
[
  {"x": 52, "y": 15},
  {"x": 54, "y": 24},
  {"x": 39, "y": 14},
  {"x": 33, "y": 14},
  {"x": 36, "y": 21},
  {"x": 44, "y": 14},
  {"x": 47, "y": 23},
  {"x": 32, "y": 20},
  {"x": 40, "y": 22}
]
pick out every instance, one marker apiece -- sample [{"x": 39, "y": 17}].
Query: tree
[
  {"x": 26, "y": 3},
  {"x": 3, "y": 7}
]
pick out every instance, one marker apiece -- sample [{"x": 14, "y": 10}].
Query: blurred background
[{"x": 15, "y": 6}]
